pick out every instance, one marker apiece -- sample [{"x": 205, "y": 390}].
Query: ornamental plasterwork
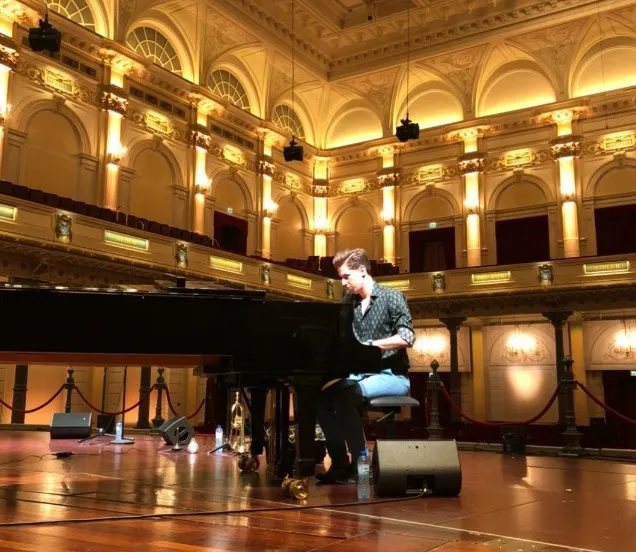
[
  {"x": 158, "y": 125},
  {"x": 611, "y": 144},
  {"x": 236, "y": 163},
  {"x": 518, "y": 159},
  {"x": 222, "y": 35},
  {"x": 377, "y": 86},
  {"x": 565, "y": 146},
  {"x": 292, "y": 182},
  {"x": 57, "y": 83}
]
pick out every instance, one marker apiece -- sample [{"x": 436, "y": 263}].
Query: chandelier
[
  {"x": 520, "y": 343},
  {"x": 626, "y": 340}
]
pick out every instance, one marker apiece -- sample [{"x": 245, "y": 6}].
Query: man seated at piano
[{"x": 381, "y": 318}]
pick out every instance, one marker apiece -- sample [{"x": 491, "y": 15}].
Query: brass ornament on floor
[
  {"x": 295, "y": 488},
  {"x": 237, "y": 427},
  {"x": 248, "y": 463}
]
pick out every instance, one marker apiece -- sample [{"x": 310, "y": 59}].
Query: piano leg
[
  {"x": 306, "y": 393},
  {"x": 257, "y": 414},
  {"x": 279, "y": 457}
]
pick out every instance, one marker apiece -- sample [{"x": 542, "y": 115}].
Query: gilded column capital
[
  {"x": 8, "y": 53},
  {"x": 200, "y": 137},
  {"x": 565, "y": 146},
  {"x": 389, "y": 176},
  {"x": 266, "y": 165},
  {"x": 320, "y": 187},
  {"x": 471, "y": 162},
  {"x": 114, "y": 99}
]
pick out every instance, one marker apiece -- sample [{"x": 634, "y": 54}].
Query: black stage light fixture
[
  {"x": 45, "y": 37},
  {"x": 293, "y": 152},
  {"x": 407, "y": 130}
]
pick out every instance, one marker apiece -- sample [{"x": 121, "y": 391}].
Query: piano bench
[{"x": 390, "y": 406}]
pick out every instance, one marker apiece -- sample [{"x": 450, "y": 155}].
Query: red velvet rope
[
  {"x": 500, "y": 424},
  {"x": 30, "y": 410},
  {"x": 604, "y": 406},
  {"x": 92, "y": 407},
  {"x": 176, "y": 413}
]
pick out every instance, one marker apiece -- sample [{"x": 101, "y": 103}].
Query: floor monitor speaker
[
  {"x": 403, "y": 467},
  {"x": 177, "y": 430},
  {"x": 71, "y": 425}
]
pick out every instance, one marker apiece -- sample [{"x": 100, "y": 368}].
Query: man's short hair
[{"x": 352, "y": 258}]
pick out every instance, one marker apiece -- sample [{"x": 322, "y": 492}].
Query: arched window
[
  {"x": 286, "y": 118},
  {"x": 225, "y": 84},
  {"x": 151, "y": 44},
  {"x": 77, "y": 11}
]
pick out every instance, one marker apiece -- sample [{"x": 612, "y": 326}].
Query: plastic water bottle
[
  {"x": 118, "y": 430},
  {"x": 364, "y": 476},
  {"x": 218, "y": 435}
]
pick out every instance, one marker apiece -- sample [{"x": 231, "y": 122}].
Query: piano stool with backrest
[{"x": 390, "y": 406}]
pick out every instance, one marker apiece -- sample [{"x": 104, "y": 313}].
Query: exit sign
[{"x": 633, "y": 373}]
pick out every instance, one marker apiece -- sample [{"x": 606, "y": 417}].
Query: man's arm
[{"x": 402, "y": 325}]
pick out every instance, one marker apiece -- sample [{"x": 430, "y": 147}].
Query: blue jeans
[{"x": 338, "y": 414}]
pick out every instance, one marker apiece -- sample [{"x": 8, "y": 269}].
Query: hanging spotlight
[
  {"x": 45, "y": 37},
  {"x": 293, "y": 152},
  {"x": 408, "y": 130}
]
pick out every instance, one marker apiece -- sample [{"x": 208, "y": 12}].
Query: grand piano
[{"x": 241, "y": 336}]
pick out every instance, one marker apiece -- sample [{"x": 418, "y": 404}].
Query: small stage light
[
  {"x": 407, "y": 130},
  {"x": 45, "y": 37},
  {"x": 293, "y": 152}
]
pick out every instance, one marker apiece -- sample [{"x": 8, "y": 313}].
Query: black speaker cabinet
[
  {"x": 402, "y": 467},
  {"x": 71, "y": 425},
  {"x": 177, "y": 429}
]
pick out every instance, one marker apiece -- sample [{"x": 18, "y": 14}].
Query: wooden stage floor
[{"x": 124, "y": 498}]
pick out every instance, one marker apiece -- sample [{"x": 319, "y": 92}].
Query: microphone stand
[{"x": 122, "y": 440}]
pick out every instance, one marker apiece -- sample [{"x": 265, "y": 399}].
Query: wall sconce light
[
  {"x": 203, "y": 185},
  {"x": 387, "y": 218},
  {"x": 114, "y": 157},
  {"x": 270, "y": 208},
  {"x": 321, "y": 226},
  {"x": 471, "y": 209},
  {"x": 569, "y": 196},
  {"x": 5, "y": 114}
]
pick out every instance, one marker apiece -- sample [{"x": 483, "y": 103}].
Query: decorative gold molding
[
  {"x": 114, "y": 102},
  {"x": 181, "y": 255},
  {"x": 565, "y": 146},
  {"x": 8, "y": 57},
  {"x": 471, "y": 163}
]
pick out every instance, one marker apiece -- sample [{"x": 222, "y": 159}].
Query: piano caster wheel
[
  {"x": 296, "y": 488},
  {"x": 248, "y": 464}
]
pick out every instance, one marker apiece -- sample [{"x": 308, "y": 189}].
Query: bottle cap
[{"x": 363, "y": 453}]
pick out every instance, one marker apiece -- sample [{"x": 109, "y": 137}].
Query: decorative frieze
[
  {"x": 114, "y": 99},
  {"x": 518, "y": 160},
  {"x": 266, "y": 167},
  {"x": 200, "y": 138},
  {"x": 565, "y": 146},
  {"x": 8, "y": 57}
]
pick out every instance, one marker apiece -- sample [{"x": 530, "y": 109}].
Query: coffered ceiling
[{"x": 337, "y": 39}]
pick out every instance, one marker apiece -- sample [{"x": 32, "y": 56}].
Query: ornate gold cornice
[
  {"x": 471, "y": 162},
  {"x": 114, "y": 99}
]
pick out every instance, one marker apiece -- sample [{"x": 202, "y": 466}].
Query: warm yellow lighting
[
  {"x": 387, "y": 160},
  {"x": 491, "y": 277},
  {"x": 126, "y": 241},
  {"x": 473, "y": 240},
  {"x": 618, "y": 141},
  {"x": 389, "y": 243},
  {"x": 429, "y": 344},
  {"x": 199, "y": 213},
  {"x": 320, "y": 245},
  {"x": 321, "y": 168},
  {"x": 269, "y": 208},
  {"x": 400, "y": 285},
  {"x": 625, "y": 340},
  {"x": 524, "y": 384},
  {"x": 227, "y": 265},
  {"x": 116, "y": 78},
  {"x": 566, "y": 177},
  {"x": 520, "y": 343},
  {"x": 606, "y": 268},
  {"x": 570, "y": 229},
  {"x": 298, "y": 281},
  {"x": 7, "y": 212},
  {"x": 469, "y": 136}
]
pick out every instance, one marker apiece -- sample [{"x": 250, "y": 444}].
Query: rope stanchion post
[
  {"x": 160, "y": 386},
  {"x": 69, "y": 386},
  {"x": 433, "y": 385},
  {"x": 571, "y": 435}
]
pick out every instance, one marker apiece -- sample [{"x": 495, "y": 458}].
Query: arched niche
[
  {"x": 427, "y": 207},
  {"x": 431, "y": 107},
  {"x": 153, "y": 185},
  {"x": 608, "y": 65},
  {"x": 616, "y": 181},
  {"x": 352, "y": 126},
  {"x": 292, "y": 221},
  {"x": 354, "y": 226},
  {"x": 613, "y": 179},
  {"x": 516, "y": 85},
  {"x": 519, "y": 194},
  {"x": 231, "y": 194},
  {"x": 52, "y": 149}
]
